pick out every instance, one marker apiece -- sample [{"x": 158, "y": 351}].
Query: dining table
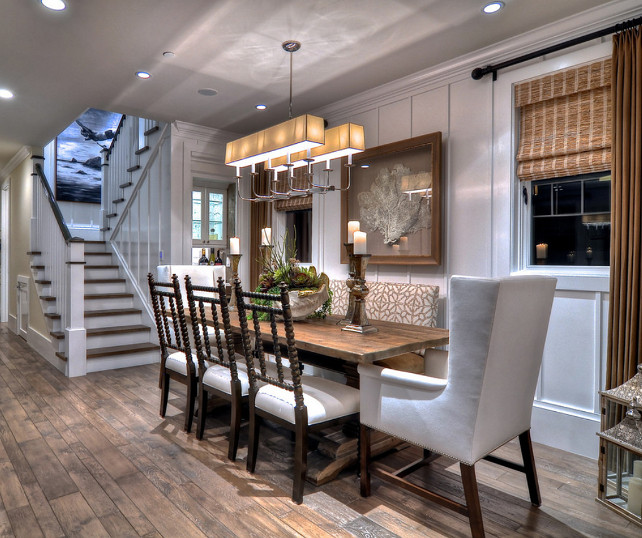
[{"x": 322, "y": 343}]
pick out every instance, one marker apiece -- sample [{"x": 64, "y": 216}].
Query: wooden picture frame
[{"x": 406, "y": 168}]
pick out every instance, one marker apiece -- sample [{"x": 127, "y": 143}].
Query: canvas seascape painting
[{"x": 78, "y": 160}]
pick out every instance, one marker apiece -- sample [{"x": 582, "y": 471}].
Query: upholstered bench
[
  {"x": 402, "y": 303},
  {"x": 201, "y": 275}
]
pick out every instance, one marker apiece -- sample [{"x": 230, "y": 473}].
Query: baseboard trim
[
  {"x": 12, "y": 323},
  {"x": 44, "y": 347},
  {"x": 565, "y": 431}
]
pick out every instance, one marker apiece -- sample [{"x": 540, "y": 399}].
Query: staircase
[{"x": 116, "y": 335}]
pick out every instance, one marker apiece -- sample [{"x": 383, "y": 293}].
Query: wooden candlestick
[
  {"x": 359, "y": 322},
  {"x": 236, "y": 258}
]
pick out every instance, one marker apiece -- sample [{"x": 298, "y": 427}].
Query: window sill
[{"x": 579, "y": 278}]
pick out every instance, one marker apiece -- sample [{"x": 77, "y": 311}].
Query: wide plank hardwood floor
[{"x": 90, "y": 456}]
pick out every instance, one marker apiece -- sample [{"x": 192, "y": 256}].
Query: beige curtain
[
  {"x": 565, "y": 126},
  {"x": 260, "y": 217},
  {"x": 625, "y": 323}
]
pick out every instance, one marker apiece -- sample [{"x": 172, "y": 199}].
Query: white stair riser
[
  {"x": 107, "y": 321},
  {"x": 105, "y": 287},
  {"x": 120, "y": 339},
  {"x": 122, "y": 361},
  {"x": 102, "y": 259},
  {"x": 95, "y": 247},
  {"x": 106, "y": 304},
  {"x": 90, "y": 272}
]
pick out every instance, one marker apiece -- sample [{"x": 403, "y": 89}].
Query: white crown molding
[
  {"x": 460, "y": 68},
  {"x": 200, "y": 132},
  {"x": 23, "y": 153}
]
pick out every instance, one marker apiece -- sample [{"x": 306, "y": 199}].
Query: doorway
[{"x": 4, "y": 251}]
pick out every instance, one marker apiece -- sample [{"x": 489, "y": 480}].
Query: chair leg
[
  {"x": 202, "y": 411},
  {"x": 364, "y": 459},
  {"x": 300, "y": 462},
  {"x": 189, "y": 405},
  {"x": 253, "y": 440},
  {"x": 235, "y": 425},
  {"x": 164, "y": 385},
  {"x": 472, "y": 499},
  {"x": 529, "y": 466}
]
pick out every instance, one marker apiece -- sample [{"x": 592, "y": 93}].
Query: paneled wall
[{"x": 481, "y": 212}]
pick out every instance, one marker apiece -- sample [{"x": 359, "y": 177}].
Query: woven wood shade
[
  {"x": 299, "y": 182},
  {"x": 565, "y": 124}
]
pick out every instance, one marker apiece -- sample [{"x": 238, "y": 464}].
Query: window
[
  {"x": 570, "y": 220},
  {"x": 299, "y": 227},
  {"x": 208, "y": 217}
]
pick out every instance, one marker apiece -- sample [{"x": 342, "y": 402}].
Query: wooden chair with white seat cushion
[
  {"x": 177, "y": 360},
  {"x": 217, "y": 361},
  {"x": 497, "y": 332},
  {"x": 301, "y": 403}
]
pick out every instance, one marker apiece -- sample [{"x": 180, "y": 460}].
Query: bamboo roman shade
[
  {"x": 565, "y": 122},
  {"x": 299, "y": 182}
]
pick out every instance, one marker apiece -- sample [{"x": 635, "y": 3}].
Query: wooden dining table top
[{"x": 325, "y": 337}]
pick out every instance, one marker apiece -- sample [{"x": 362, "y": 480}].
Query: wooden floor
[{"x": 90, "y": 456}]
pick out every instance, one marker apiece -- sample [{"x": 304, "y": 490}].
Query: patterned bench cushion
[{"x": 393, "y": 301}]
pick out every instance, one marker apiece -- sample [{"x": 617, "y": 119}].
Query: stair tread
[
  {"x": 61, "y": 356},
  {"x": 134, "y": 168},
  {"x": 111, "y": 215},
  {"x": 100, "y": 266},
  {"x": 151, "y": 130},
  {"x": 34, "y": 253},
  {"x": 117, "y": 329},
  {"x": 52, "y": 315},
  {"x": 47, "y": 298},
  {"x": 107, "y": 295},
  {"x": 121, "y": 350},
  {"x": 105, "y": 229},
  {"x": 37, "y": 266},
  {"x": 125, "y": 185},
  {"x": 92, "y": 253},
  {"x": 58, "y": 335},
  {"x": 104, "y": 280},
  {"x": 111, "y": 312},
  {"x": 118, "y": 201},
  {"x": 42, "y": 281},
  {"x": 95, "y": 242},
  {"x": 141, "y": 150}
]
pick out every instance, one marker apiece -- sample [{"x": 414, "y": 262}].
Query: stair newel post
[
  {"x": 75, "y": 333},
  {"x": 36, "y": 201},
  {"x": 104, "y": 178}
]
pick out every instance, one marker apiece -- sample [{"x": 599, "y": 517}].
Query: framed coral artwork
[{"x": 395, "y": 195}]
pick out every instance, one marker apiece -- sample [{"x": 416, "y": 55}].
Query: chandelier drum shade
[{"x": 300, "y": 141}]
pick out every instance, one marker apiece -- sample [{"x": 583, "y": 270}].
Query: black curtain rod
[{"x": 480, "y": 72}]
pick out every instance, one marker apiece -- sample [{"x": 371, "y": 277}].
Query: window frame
[{"x": 204, "y": 241}]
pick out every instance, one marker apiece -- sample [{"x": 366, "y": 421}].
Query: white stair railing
[
  {"x": 137, "y": 233},
  {"x": 63, "y": 258}
]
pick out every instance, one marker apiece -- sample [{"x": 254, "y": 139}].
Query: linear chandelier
[{"x": 297, "y": 142}]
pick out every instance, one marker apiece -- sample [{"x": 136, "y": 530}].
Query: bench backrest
[
  {"x": 201, "y": 275},
  {"x": 393, "y": 301}
]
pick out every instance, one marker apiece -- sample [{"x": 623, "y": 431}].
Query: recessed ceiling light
[
  {"x": 168, "y": 54},
  {"x": 56, "y": 5},
  {"x": 365, "y": 166},
  {"x": 493, "y": 7},
  {"x": 260, "y": 107},
  {"x": 5, "y": 94},
  {"x": 143, "y": 74},
  {"x": 207, "y": 91}
]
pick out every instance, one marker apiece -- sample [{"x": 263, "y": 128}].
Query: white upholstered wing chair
[{"x": 497, "y": 332}]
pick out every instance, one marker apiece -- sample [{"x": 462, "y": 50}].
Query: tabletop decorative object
[
  {"x": 236, "y": 258},
  {"x": 350, "y": 282},
  {"x": 359, "y": 321},
  {"x": 309, "y": 292},
  {"x": 620, "y": 458}
]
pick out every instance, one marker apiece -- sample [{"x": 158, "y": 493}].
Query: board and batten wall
[{"x": 481, "y": 232}]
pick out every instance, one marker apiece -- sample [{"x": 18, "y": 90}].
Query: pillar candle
[
  {"x": 353, "y": 226},
  {"x": 634, "y": 504},
  {"x": 360, "y": 243},
  {"x": 266, "y": 236},
  {"x": 541, "y": 251},
  {"x": 637, "y": 468},
  {"x": 403, "y": 243},
  {"x": 235, "y": 246}
]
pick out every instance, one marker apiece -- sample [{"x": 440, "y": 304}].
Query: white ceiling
[{"x": 60, "y": 63}]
